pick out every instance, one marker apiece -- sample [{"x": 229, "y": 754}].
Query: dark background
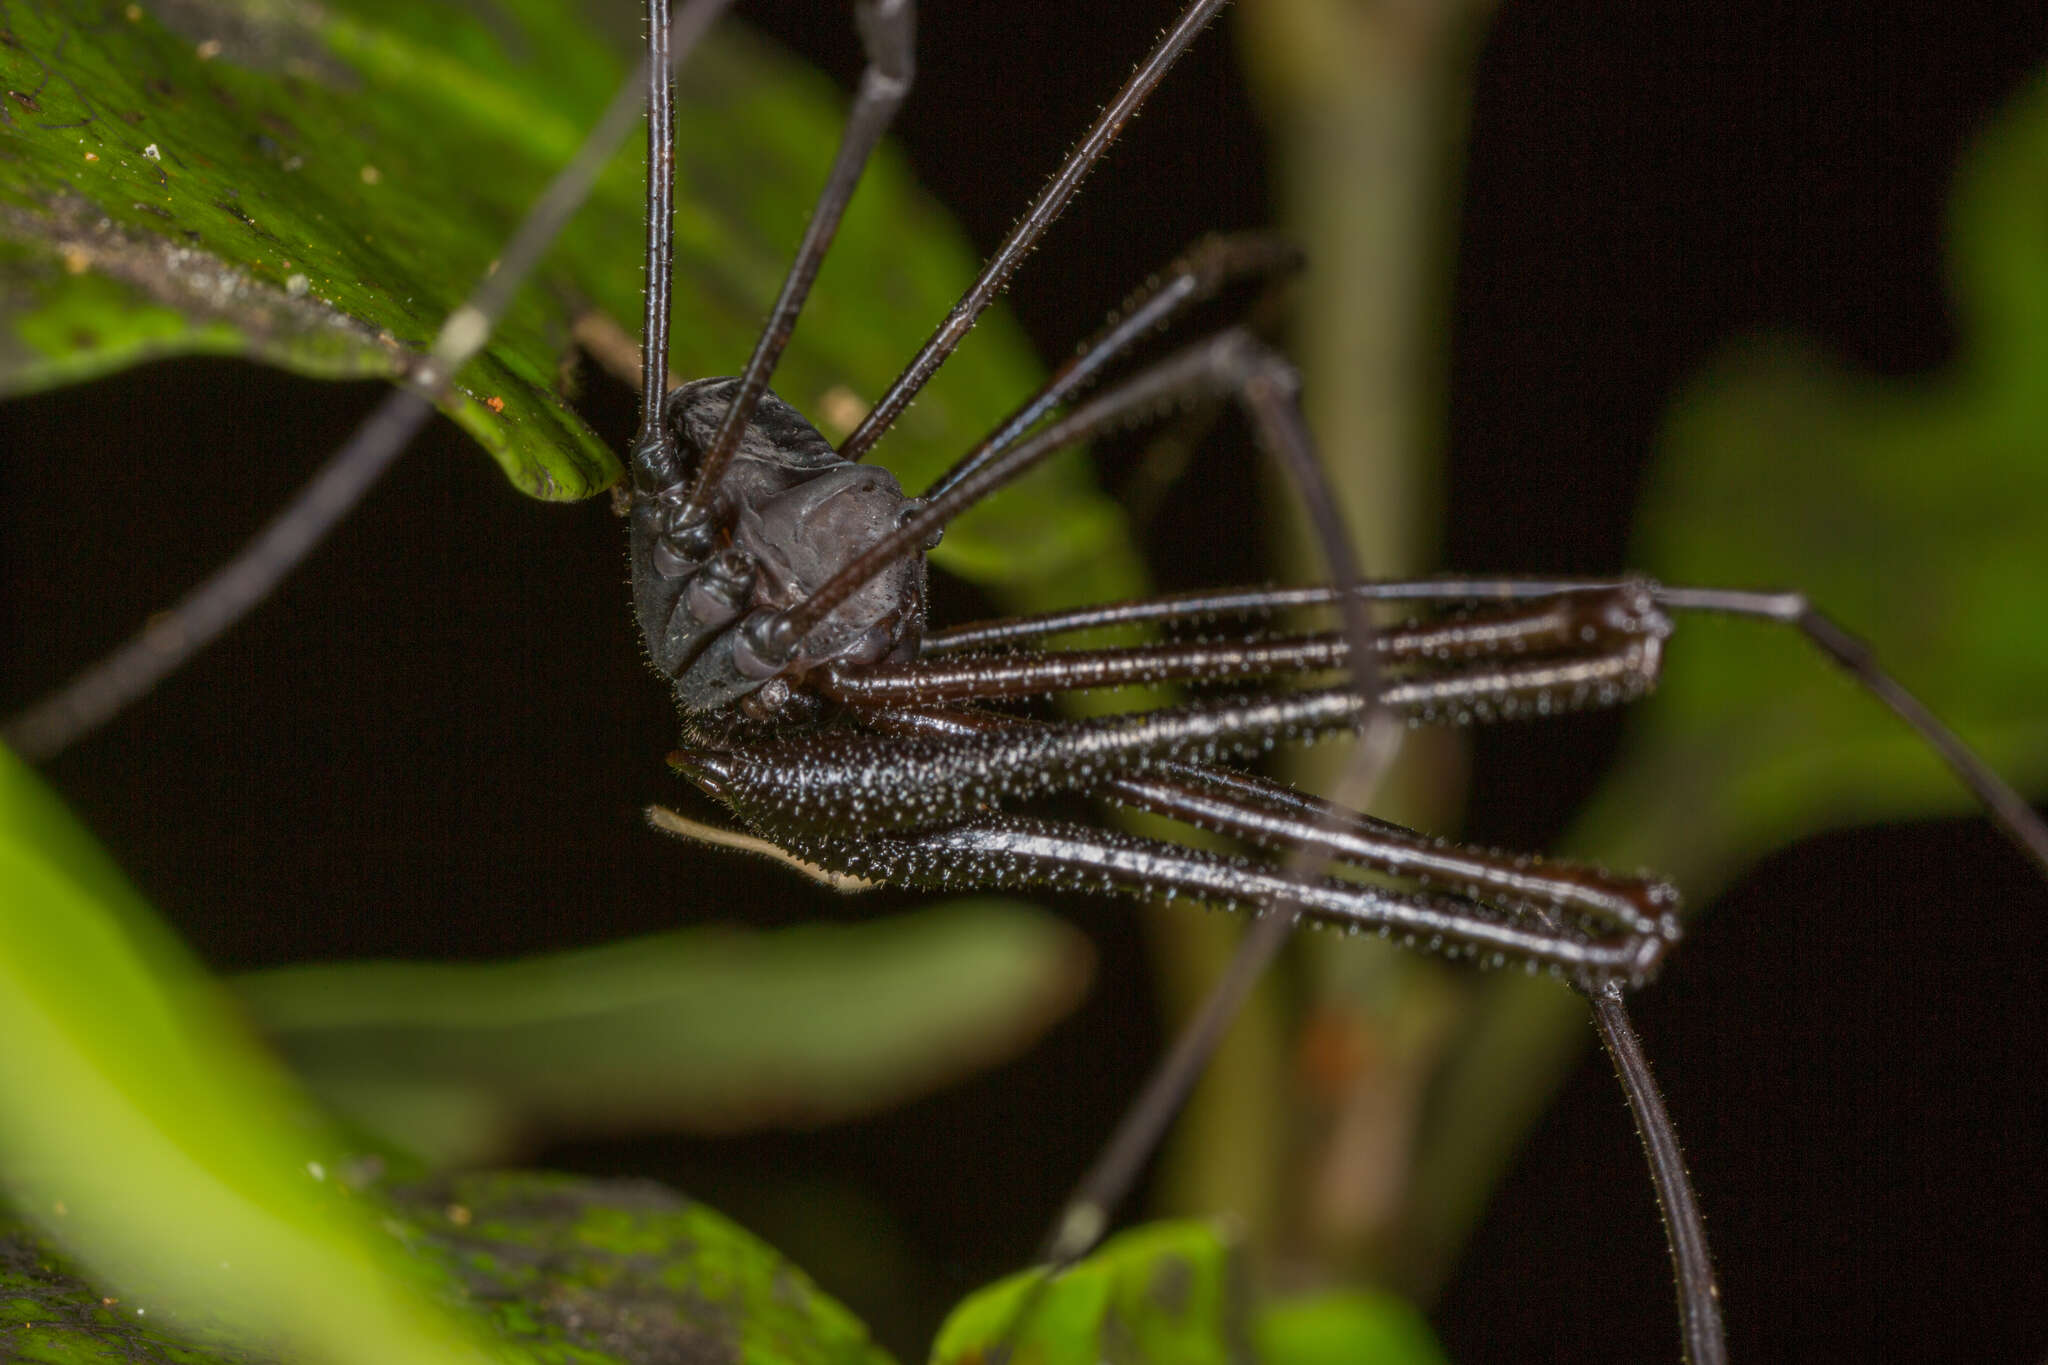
[{"x": 437, "y": 740}]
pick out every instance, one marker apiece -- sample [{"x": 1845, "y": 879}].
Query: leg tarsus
[{"x": 2008, "y": 809}]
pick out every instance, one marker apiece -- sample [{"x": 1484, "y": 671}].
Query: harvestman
[{"x": 779, "y": 586}]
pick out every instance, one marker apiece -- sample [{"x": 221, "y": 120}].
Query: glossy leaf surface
[{"x": 317, "y": 188}]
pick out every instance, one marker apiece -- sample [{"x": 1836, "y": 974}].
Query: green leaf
[
  {"x": 1910, "y": 511},
  {"x": 577, "y": 1270},
  {"x": 580, "y": 1272},
  {"x": 1346, "y": 1327},
  {"x": 1161, "y": 1293},
  {"x": 1175, "y": 1294},
  {"x": 317, "y": 187},
  {"x": 700, "y": 1030},
  {"x": 141, "y": 1128},
  {"x": 142, "y": 1132}
]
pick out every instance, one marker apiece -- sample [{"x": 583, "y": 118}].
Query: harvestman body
[
  {"x": 779, "y": 585},
  {"x": 844, "y": 750}
]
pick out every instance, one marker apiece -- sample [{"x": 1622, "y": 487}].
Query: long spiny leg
[
  {"x": 843, "y": 823},
  {"x": 1270, "y": 815},
  {"x": 1230, "y": 363},
  {"x": 2010, "y": 811},
  {"x": 1205, "y": 605},
  {"x": 1260, "y": 602},
  {"x": 646, "y": 455},
  {"x": 107, "y": 687},
  {"x": 1618, "y": 634},
  {"x": 1019, "y": 852},
  {"x": 1050, "y": 203},
  {"x": 1702, "y": 1336},
  {"x": 855, "y": 781},
  {"x": 1205, "y": 268},
  {"x": 2007, "y": 808},
  {"x": 1275, "y": 817},
  {"x": 887, "y": 32}
]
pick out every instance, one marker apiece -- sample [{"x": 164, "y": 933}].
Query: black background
[{"x": 437, "y": 740}]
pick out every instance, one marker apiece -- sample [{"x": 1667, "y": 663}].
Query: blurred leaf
[
  {"x": 141, "y": 1128},
  {"x": 1347, "y": 1327},
  {"x": 1162, "y": 1293},
  {"x": 317, "y": 187},
  {"x": 701, "y": 1030},
  {"x": 1910, "y": 511},
  {"x": 567, "y": 1270},
  {"x": 1175, "y": 1294}
]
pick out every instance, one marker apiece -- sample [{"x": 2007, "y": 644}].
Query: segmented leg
[
  {"x": 887, "y": 29},
  {"x": 1210, "y": 265},
  {"x": 1016, "y": 852},
  {"x": 856, "y": 780},
  {"x": 1275, "y": 817},
  {"x": 1620, "y": 631},
  {"x": 1051, "y": 201},
  {"x": 2010, "y": 811}
]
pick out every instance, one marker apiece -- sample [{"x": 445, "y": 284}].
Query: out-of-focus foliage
[
  {"x": 141, "y": 1127},
  {"x": 1910, "y": 510},
  {"x": 1175, "y": 1294},
  {"x": 700, "y": 1030}
]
